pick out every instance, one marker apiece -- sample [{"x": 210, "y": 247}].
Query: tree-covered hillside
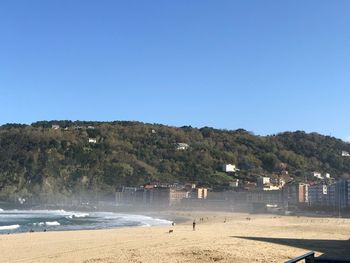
[{"x": 38, "y": 158}]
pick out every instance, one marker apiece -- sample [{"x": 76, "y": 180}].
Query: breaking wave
[
  {"x": 59, "y": 220},
  {"x": 11, "y": 227},
  {"x": 53, "y": 223}
]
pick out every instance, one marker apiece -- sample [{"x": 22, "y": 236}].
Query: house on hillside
[
  {"x": 182, "y": 146},
  {"x": 249, "y": 186},
  {"x": 229, "y": 168},
  {"x": 234, "y": 183},
  {"x": 317, "y": 175},
  {"x": 55, "y": 127},
  {"x": 92, "y": 140},
  {"x": 345, "y": 154}
]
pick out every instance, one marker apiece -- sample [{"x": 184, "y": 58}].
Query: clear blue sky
[{"x": 265, "y": 66}]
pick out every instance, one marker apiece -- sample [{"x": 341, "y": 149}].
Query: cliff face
[{"x": 65, "y": 157}]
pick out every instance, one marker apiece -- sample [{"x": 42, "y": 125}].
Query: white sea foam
[
  {"x": 11, "y": 227},
  {"x": 77, "y": 215},
  {"x": 80, "y": 214},
  {"x": 125, "y": 219},
  {"x": 83, "y": 220},
  {"x": 1, "y": 210},
  {"x": 53, "y": 223}
]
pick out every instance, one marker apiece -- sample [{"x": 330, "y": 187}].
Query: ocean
[{"x": 16, "y": 221}]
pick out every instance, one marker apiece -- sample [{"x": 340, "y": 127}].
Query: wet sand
[{"x": 263, "y": 238}]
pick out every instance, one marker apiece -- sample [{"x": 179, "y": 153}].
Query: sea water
[{"x": 14, "y": 221}]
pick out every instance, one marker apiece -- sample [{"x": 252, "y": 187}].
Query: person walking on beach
[{"x": 194, "y": 225}]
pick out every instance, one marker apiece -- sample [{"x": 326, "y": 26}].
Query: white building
[
  {"x": 182, "y": 146},
  {"x": 317, "y": 175},
  {"x": 345, "y": 154},
  {"x": 234, "y": 183},
  {"x": 262, "y": 181},
  {"x": 91, "y": 140},
  {"x": 55, "y": 127},
  {"x": 266, "y": 184},
  {"x": 202, "y": 193},
  {"x": 229, "y": 168}
]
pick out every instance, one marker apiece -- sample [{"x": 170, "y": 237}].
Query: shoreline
[
  {"x": 178, "y": 217},
  {"x": 221, "y": 237}
]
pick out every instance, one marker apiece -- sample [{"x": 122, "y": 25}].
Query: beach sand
[{"x": 263, "y": 238}]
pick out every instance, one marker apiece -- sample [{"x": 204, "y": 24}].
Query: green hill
[{"x": 40, "y": 159}]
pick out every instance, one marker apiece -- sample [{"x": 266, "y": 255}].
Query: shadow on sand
[{"x": 331, "y": 249}]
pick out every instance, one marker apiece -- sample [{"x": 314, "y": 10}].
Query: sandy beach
[{"x": 262, "y": 238}]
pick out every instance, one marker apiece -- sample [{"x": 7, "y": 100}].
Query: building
[
  {"x": 249, "y": 186},
  {"x": 317, "y": 175},
  {"x": 151, "y": 195},
  {"x": 266, "y": 184},
  {"x": 127, "y": 195},
  {"x": 182, "y": 146},
  {"x": 306, "y": 186},
  {"x": 234, "y": 183},
  {"x": 273, "y": 197},
  {"x": 202, "y": 193},
  {"x": 91, "y": 140},
  {"x": 262, "y": 181},
  {"x": 348, "y": 193},
  {"x": 342, "y": 194},
  {"x": 336, "y": 195},
  {"x": 55, "y": 126},
  {"x": 318, "y": 195},
  {"x": 345, "y": 154},
  {"x": 296, "y": 193},
  {"x": 229, "y": 168},
  {"x": 176, "y": 196}
]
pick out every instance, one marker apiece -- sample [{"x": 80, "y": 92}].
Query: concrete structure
[
  {"x": 182, "y": 146},
  {"x": 348, "y": 193},
  {"x": 234, "y": 183},
  {"x": 273, "y": 197},
  {"x": 317, "y": 175},
  {"x": 249, "y": 186},
  {"x": 342, "y": 194},
  {"x": 126, "y": 196},
  {"x": 345, "y": 154},
  {"x": 176, "y": 196},
  {"x": 261, "y": 181},
  {"x": 229, "y": 168},
  {"x": 91, "y": 140},
  {"x": 202, "y": 193},
  {"x": 296, "y": 193},
  {"x": 336, "y": 195},
  {"x": 318, "y": 195},
  {"x": 151, "y": 195},
  {"x": 265, "y": 183}
]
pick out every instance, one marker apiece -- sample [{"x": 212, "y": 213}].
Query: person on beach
[{"x": 194, "y": 225}]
